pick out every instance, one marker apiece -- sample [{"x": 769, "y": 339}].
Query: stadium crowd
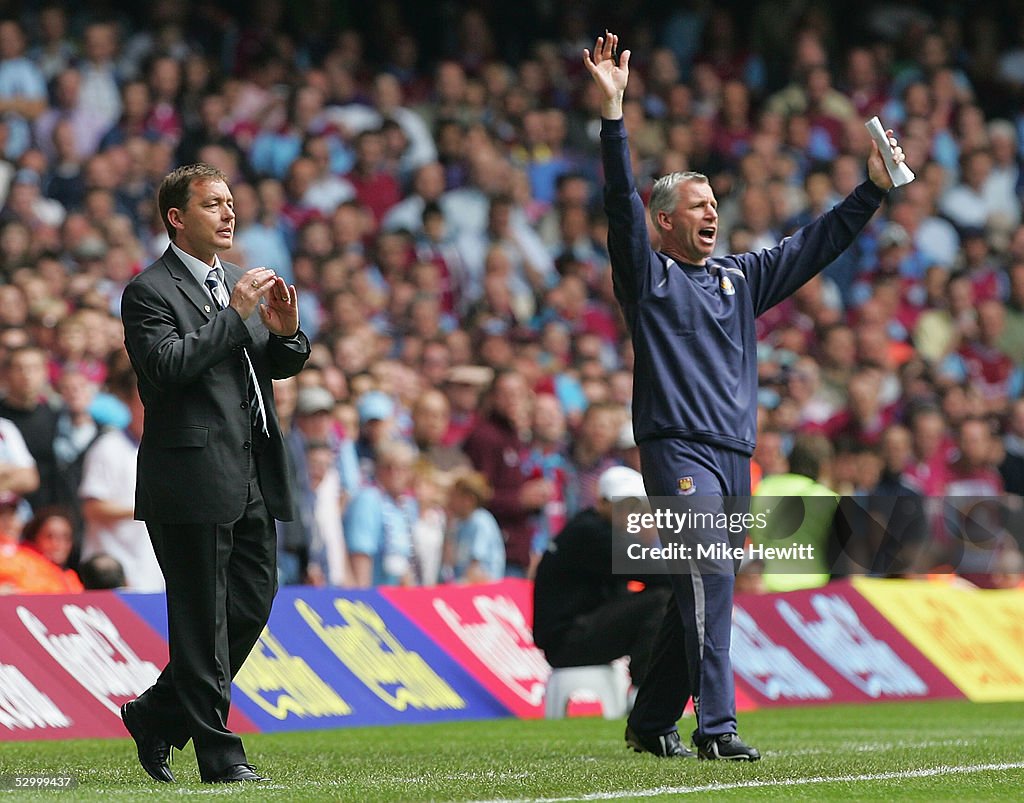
[{"x": 430, "y": 182}]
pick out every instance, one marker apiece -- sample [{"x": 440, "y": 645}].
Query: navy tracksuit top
[{"x": 695, "y": 371}]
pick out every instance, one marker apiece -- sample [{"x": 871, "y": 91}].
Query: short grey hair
[{"x": 664, "y": 195}]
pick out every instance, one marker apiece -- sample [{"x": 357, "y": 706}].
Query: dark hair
[
  {"x": 810, "y": 454},
  {"x": 101, "y": 571},
  {"x": 123, "y": 383},
  {"x": 44, "y": 514},
  {"x": 176, "y": 188}
]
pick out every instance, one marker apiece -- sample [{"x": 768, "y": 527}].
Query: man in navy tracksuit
[{"x": 691, "y": 318}]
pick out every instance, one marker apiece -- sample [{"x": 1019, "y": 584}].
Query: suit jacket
[{"x": 196, "y": 444}]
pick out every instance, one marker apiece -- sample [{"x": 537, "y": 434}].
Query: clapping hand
[{"x": 280, "y": 313}]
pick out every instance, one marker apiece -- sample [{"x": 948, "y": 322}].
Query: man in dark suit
[{"x": 212, "y": 468}]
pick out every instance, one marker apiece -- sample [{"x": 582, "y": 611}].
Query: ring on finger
[{"x": 255, "y": 284}]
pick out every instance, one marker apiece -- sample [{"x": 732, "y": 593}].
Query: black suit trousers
[{"x": 221, "y": 581}]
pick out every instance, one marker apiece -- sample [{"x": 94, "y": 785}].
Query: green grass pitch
[{"x": 935, "y": 751}]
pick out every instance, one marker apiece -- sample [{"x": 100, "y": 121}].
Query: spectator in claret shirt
[
  {"x": 547, "y": 458},
  {"x": 971, "y": 493},
  {"x": 375, "y": 188},
  {"x": 865, "y": 418},
  {"x": 980, "y": 362},
  {"x": 594, "y": 450},
  {"x": 496, "y": 446}
]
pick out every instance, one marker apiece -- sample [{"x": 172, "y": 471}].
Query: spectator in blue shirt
[
  {"x": 379, "y": 522},
  {"x": 478, "y": 549}
]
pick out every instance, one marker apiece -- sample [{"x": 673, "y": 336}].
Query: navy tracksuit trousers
[{"x": 691, "y": 653}]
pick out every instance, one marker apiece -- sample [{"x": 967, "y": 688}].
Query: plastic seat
[{"x": 607, "y": 682}]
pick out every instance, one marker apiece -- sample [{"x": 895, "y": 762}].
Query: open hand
[{"x": 609, "y": 76}]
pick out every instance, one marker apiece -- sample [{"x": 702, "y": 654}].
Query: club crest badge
[
  {"x": 726, "y": 286},
  {"x": 686, "y": 486}
]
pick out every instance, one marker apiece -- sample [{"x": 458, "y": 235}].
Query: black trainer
[
  {"x": 728, "y": 747},
  {"x": 666, "y": 745}
]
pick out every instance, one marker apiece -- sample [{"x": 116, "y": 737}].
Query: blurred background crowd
[{"x": 428, "y": 176}]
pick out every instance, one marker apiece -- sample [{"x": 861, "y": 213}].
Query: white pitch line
[{"x": 928, "y": 772}]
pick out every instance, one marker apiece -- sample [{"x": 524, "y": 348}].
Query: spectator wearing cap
[
  {"x": 379, "y": 521},
  {"x": 897, "y": 257},
  {"x": 476, "y": 552},
  {"x": 583, "y": 613},
  {"x": 464, "y": 385},
  {"x": 314, "y": 424},
  {"x": 376, "y": 411},
  {"x": 24, "y": 569},
  {"x": 315, "y": 421}
]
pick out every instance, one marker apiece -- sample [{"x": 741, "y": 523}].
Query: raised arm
[
  {"x": 628, "y": 243},
  {"x": 778, "y": 272}
]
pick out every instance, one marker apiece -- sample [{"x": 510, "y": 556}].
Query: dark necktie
[{"x": 257, "y": 414}]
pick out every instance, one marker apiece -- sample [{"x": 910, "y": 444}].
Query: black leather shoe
[
  {"x": 237, "y": 773},
  {"x": 666, "y": 745},
  {"x": 153, "y": 751},
  {"x": 728, "y": 746}
]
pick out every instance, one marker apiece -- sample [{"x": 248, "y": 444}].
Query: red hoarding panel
[
  {"x": 826, "y": 645},
  {"x": 84, "y": 653}
]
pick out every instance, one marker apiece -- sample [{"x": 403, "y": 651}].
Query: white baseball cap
[{"x": 619, "y": 482}]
